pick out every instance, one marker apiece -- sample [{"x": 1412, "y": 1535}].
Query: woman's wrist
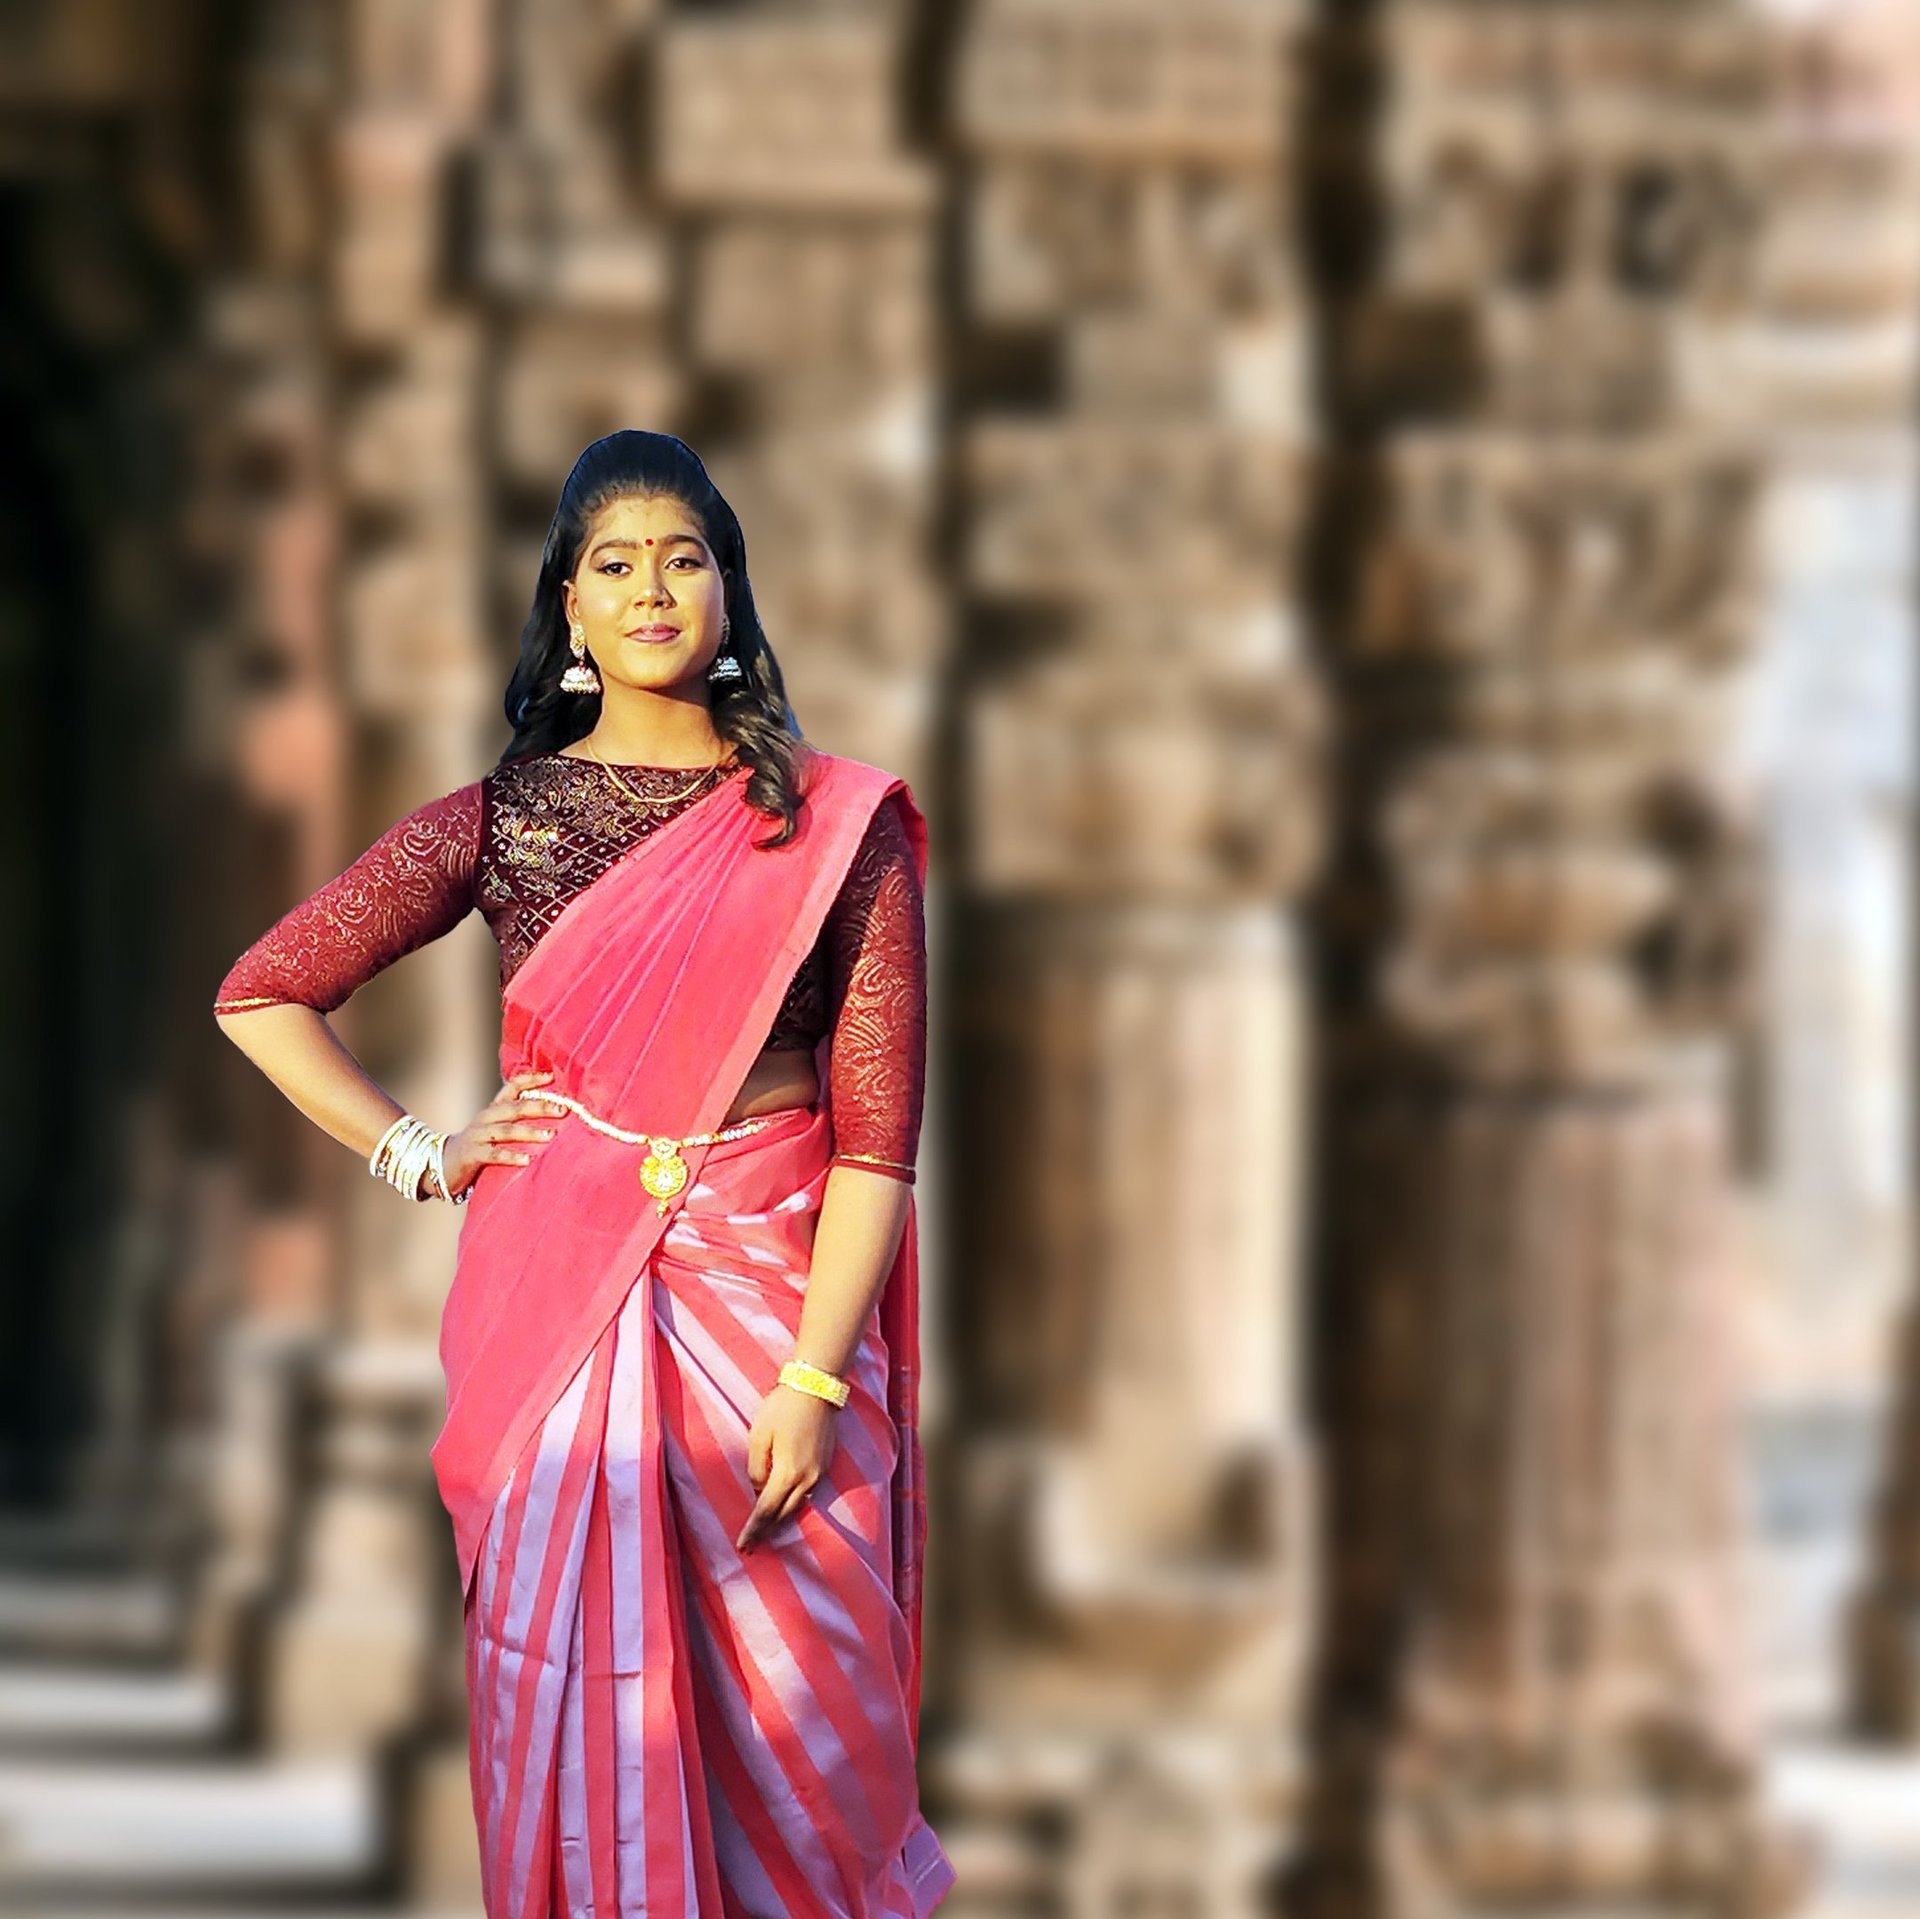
[
  {"x": 411, "y": 1157},
  {"x": 815, "y": 1381}
]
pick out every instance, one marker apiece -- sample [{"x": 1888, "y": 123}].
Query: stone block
[
  {"x": 770, "y": 297},
  {"x": 441, "y": 1840},
  {"x": 567, "y": 379},
  {"x": 774, "y": 111},
  {"x": 552, "y": 225},
  {"x": 1060, "y": 808},
  {"x": 1127, "y": 79},
  {"x": 1054, "y": 237},
  {"x": 1071, "y": 508},
  {"x": 388, "y": 175}
]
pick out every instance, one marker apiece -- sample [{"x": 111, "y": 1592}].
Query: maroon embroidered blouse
[{"x": 522, "y": 840}]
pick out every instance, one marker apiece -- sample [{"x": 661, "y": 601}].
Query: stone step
[
  {"x": 47, "y": 1708},
  {"x": 131, "y": 1616},
  {"x": 313, "y": 1829},
  {"x": 65, "y": 1541},
  {"x": 240, "y": 1908},
  {"x": 1863, "y": 1807}
]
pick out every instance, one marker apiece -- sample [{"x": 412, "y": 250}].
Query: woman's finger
[
  {"x": 793, "y": 1502},
  {"x": 764, "y": 1507},
  {"x": 510, "y": 1089},
  {"x": 514, "y": 1108}
]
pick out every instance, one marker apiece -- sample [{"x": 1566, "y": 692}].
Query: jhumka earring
[
  {"x": 580, "y": 676},
  {"x": 725, "y": 666}
]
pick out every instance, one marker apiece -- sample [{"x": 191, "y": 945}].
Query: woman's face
[{"x": 645, "y": 563}]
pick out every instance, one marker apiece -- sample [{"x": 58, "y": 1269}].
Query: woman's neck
[{"x": 639, "y": 748}]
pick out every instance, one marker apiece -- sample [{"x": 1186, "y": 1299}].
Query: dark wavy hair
[{"x": 752, "y": 713}]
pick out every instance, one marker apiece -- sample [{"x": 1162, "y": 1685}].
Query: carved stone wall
[
  {"x": 1126, "y": 1495},
  {"x": 1538, "y": 234},
  {"x": 461, "y": 242},
  {"x": 1105, "y": 386}
]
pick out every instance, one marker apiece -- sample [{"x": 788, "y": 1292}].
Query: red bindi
[{"x": 649, "y": 542}]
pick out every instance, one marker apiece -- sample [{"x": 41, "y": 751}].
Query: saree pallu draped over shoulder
[{"x": 659, "y": 1724}]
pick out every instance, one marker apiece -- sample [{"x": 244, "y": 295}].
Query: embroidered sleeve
[
  {"x": 414, "y": 883},
  {"x": 876, "y": 963}
]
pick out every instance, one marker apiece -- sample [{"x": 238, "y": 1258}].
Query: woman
[{"x": 681, "y": 1452}]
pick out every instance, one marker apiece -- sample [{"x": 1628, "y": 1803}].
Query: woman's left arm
[
  {"x": 855, "y": 1239},
  {"x": 876, "y": 950}
]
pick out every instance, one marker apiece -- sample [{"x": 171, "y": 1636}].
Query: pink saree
[{"x": 658, "y": 1723}]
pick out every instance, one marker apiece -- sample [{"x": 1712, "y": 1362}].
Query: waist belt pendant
[{"x": 663, "y": 1172}]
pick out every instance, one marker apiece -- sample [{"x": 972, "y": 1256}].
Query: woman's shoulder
[
  {"x": 527, "y": 766},
  {"x": 844, "y": 763},
  {"x": 894, "y": 823},
  {"x": 856, "y": 779},
  {"x": 457, "y": 813}
]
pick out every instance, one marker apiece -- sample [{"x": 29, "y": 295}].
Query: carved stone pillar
[
  {"x": 804, "y": 220},
  {"x": 1537, "y": 242},
  {"x": 269, "y": 728},
  {"x": 349, "y": 1667},
  {"x": 1120, "y": 1594},
  {"x": 1848, "y": 278},
  {"x": 1884, "y": 1661}
]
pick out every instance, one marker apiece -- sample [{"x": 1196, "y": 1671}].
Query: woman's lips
[{"x": 654, "y": 633}]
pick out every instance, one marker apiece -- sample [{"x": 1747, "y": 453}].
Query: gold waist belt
[{"x": 663, "y": 1172}]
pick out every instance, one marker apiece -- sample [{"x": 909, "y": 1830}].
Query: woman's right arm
[
  {"x": 413, "y": 885},
  {"x": 301, "y": 1053}
]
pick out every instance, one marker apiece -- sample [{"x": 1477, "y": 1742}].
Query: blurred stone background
[{"x": 1382, "y": 538}]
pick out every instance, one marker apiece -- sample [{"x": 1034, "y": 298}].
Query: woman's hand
[
  {"x": 484, "y": 1141},
  {"x": 788, "y": 1447}
]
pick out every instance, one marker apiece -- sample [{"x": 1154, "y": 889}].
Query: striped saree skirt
[{"x": 660, "y": 1724}]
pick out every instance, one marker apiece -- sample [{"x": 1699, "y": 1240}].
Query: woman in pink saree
[{"x": 681, "y": 1454}]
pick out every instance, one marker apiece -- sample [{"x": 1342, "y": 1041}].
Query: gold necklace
[{"x": 656, "y": 799}]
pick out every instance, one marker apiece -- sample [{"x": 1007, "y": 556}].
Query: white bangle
[
  {"x": 380, "y": 1145},
  {"x": 438, "y": 1167},
  {"x": 392, "y": 1158},
  {"x": 406, "y": 1152}
]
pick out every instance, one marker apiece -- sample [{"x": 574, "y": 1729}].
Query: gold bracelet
[{"x": 813, "y": 1379}]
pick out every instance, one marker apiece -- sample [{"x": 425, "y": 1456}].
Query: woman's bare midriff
[{"x": 778, "y": 1078}]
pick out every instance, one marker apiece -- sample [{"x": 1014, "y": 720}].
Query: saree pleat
[{"x": 660, "y": 1724}]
